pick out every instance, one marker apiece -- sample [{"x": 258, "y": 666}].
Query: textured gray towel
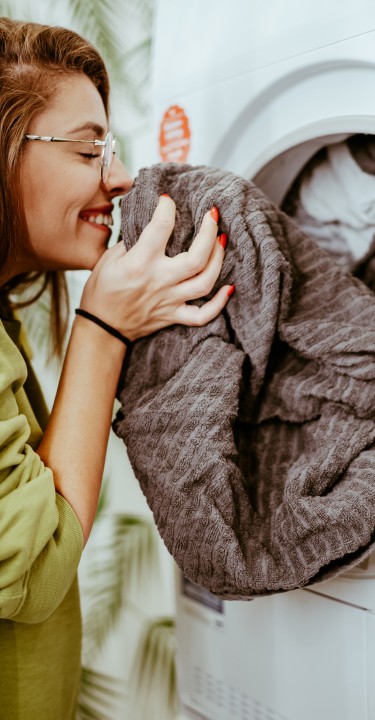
[{"x": 252, "y": 438}]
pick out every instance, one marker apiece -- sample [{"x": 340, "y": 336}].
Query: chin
[{"x": 92, "y": 259}]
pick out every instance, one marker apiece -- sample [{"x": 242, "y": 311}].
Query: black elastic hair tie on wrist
[{"x": 111, "y": 330}]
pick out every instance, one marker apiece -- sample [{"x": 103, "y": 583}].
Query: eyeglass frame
[{"x": 109, "y": 141}]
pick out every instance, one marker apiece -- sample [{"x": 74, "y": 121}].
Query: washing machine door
[
  {"x": 284, "y": 126},
  {"x": 252, "y": 82}
]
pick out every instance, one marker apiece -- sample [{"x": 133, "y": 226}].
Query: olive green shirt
[{"x": 41, "y": 543}]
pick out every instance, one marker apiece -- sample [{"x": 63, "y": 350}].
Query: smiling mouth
[
  {"x": 100, "y": 219},
  {"x": 100, "y": 216}
]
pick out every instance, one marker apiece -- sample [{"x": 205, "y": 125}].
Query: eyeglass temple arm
[{"x": 47, "y": 138}]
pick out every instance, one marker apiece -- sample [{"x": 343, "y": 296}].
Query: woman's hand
[{"x": 144, "y": 290}]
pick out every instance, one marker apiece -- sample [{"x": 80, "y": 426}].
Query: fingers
[
  {"x": 201, "y": 285},
  {"x": 186, "y": 265},
  {"x": 197, "y": 316},
  {"x": 156, "y": 234}
]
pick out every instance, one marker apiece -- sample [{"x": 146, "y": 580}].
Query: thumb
[{"x": 156, "y": 234}]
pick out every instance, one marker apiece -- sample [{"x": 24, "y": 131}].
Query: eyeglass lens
[{"x": 107, "y": 157}]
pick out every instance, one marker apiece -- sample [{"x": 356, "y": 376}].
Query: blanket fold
[{"x": 253, "y": 437}]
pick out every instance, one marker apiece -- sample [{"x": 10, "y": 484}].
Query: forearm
[{"x": 75, "y": 442}]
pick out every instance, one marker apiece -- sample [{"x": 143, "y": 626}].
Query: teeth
[{"x": 101, "y": 219}]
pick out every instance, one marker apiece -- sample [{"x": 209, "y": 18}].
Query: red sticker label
[{"x": 174, "y": 137}]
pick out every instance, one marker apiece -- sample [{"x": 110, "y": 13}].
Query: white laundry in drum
[{"x": 333, "y": 200}]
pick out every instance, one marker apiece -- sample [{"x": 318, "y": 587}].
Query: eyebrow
[{"x": 98, "y": 130}]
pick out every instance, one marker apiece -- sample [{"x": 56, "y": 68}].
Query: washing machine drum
[{"x": 252, "y": 436}]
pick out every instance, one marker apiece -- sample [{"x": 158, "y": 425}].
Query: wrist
[
  {"x": 97, "y": 340},
  {"x": 103, "y": 325}
]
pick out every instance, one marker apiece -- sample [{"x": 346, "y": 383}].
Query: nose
[{"x": 119, "y": 180}]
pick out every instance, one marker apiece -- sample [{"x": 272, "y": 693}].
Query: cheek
[
  {"x": 54, "y": 193},
  {"x": 41, "y": 196},
  {"x": 51, "y": 221}
]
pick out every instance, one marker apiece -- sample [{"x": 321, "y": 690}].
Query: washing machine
[{"x": 258, "y": 88}]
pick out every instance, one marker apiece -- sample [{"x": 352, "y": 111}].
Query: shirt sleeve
[{"x": 41, "y": 538}]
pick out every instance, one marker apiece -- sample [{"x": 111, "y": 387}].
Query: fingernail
[
  {"x": 165, "y": 195},
  {"x": 223, "y": 239},
  {"x": 231, "y": 290},
  {"x": 214, "y": 214}
]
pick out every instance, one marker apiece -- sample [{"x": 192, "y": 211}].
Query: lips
[{"x": 99, "y": 216}]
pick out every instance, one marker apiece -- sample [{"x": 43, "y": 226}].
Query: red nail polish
[
  {"x": 214, "y": 214},
  {"x": 165, "y": 195},
  {"x": 231, "y": 290},
  {"x": 223, "y": 239}
]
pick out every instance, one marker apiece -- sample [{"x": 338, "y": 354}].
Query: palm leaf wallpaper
[
  {"x": 99, "y": 695},
  {"x": 124, "y": 45},
  {"x": 128, "y": 641},
  {"x": 123, "y": 556},
  {"x": 154, "y": 667}
]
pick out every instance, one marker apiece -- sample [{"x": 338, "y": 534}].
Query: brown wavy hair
[{"x": 32, "y": 58}]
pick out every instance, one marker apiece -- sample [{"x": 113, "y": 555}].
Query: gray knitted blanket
[{"x": 253, "y": 437}]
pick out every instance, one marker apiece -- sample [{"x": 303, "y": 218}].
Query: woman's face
[{"x": 67, "y": 206}]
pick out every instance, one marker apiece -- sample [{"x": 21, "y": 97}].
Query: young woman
[{"x": 59, "y": 178}]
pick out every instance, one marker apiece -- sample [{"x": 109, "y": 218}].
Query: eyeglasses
[{"x": 108, "y": 145}]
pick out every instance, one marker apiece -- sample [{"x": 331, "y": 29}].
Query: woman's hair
[{"x": 33, "y": 58}]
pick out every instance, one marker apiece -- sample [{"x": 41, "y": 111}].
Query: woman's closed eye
[{"x": 90, "y": 156}]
